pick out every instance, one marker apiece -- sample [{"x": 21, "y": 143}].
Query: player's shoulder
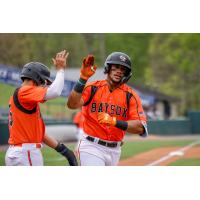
[
  {"x": 97, "y": 83},
  {"x": 131, "y": 90},
  {"x": 27, "y": 90}
]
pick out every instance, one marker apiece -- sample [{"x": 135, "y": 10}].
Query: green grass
[
  {"x": 2, "y": 158},
  {"x": 135, "y": 147},
  {"x": 186, "y": 162},
  {"x": 6, "y": 91},
  {"x": 52, "y": 158}
]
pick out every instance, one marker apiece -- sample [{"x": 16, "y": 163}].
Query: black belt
[{"x": 104, "y": 143}]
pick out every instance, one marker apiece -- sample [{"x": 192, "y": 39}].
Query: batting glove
[
  {"x": 106, "y": 119},
  {"x": 88, "y": 68},
  {"x": 67, "y": 153}
]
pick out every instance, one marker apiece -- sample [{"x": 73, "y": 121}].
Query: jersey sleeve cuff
[{"x": 145, "y": 134}]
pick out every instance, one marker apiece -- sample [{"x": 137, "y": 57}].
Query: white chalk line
[{"x": 179, "y": 152}]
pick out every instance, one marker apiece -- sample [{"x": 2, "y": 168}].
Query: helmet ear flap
[
  {"x": 126, "y": 78},
  {"x": 106, "y": 68}
]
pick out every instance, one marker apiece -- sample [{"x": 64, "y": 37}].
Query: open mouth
[{"x": 117, "y": 76}]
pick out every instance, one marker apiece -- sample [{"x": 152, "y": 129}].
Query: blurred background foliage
[{"x": 169, "y": 63}]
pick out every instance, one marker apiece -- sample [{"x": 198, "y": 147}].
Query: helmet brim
[
  {"x": 49, "y": 81},
  {"x": 118, "y": 63}
]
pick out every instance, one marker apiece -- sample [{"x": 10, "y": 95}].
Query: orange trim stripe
[{"x": 29, "y": 157}]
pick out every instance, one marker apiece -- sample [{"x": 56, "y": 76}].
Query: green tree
[
  {"x": 18, "y": 49},
  {"x": 136, "y": 46},
  {"x": 175, "y": 67}
]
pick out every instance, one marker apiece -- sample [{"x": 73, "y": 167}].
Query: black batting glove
[{"x": 67, "y": 153}]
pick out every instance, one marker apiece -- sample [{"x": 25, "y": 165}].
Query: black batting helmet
[
  {"x": 119, "y": 58},
  {"x": 36, "y": 71}
]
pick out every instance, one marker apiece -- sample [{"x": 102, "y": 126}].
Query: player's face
[{"x": 116, "y": 73}]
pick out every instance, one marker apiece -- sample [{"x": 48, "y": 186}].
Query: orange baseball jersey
[
  {"x": 114, "y": 103},
  {"x": 78, "y": 119},
  {"x": 25, "y": 122}
]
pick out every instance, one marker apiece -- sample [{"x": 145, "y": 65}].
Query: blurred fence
[
  {"x": 195, "y": 121},
  {"x": 189, "y": 125},
  {"x": 170, "y": 127},
  {"x": 4, "y": 132}
]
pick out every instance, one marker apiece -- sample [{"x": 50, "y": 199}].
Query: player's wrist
[
  {"x": 114, "y": 121},
  {"x": 67, "y": 153},
  {"x": 61, "y": 70},
  {"x": 84, "y": 77},
  {"x": 61, "y": 148},
  {"x": 59, "y": 67},
  {"x": 123, "y": 125},
  {"x": 80, "y": 84}
]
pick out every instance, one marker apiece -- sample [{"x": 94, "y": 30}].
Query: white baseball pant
[
  {"x": 94, "y": 154},
  {"x": 26, "y": 155}
]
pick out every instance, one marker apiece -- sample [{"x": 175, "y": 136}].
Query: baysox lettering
[{"x": 109, "y": 108}]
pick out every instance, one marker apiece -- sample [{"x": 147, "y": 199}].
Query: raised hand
[
  {"x": 60, "y": 61},
  {"x": 88, "y": 68}
]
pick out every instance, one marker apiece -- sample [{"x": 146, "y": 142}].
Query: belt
[
  {"x": 36, "y": 145},
  {"x": 104, "y": 143}
]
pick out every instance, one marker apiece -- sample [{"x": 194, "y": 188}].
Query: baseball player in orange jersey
[
  {"x": 110, "y": 108},
  {"x": 26, "y": 126}
]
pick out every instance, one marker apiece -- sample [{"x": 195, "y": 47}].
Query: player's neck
[
  {"x": 28, "y": 83},
  {"x": 112, "y": 85}
]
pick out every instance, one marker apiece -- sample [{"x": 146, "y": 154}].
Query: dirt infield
[{"x": 164, "y": 156}]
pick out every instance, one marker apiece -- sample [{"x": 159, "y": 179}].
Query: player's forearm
[
  {"x": 135, "y": 127},
  {"x": 132, "y": 126},
  {"x": 49, "y": 141},
  {"x": 75, "y": 100},
  {"x": 56, "y": 87}
]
